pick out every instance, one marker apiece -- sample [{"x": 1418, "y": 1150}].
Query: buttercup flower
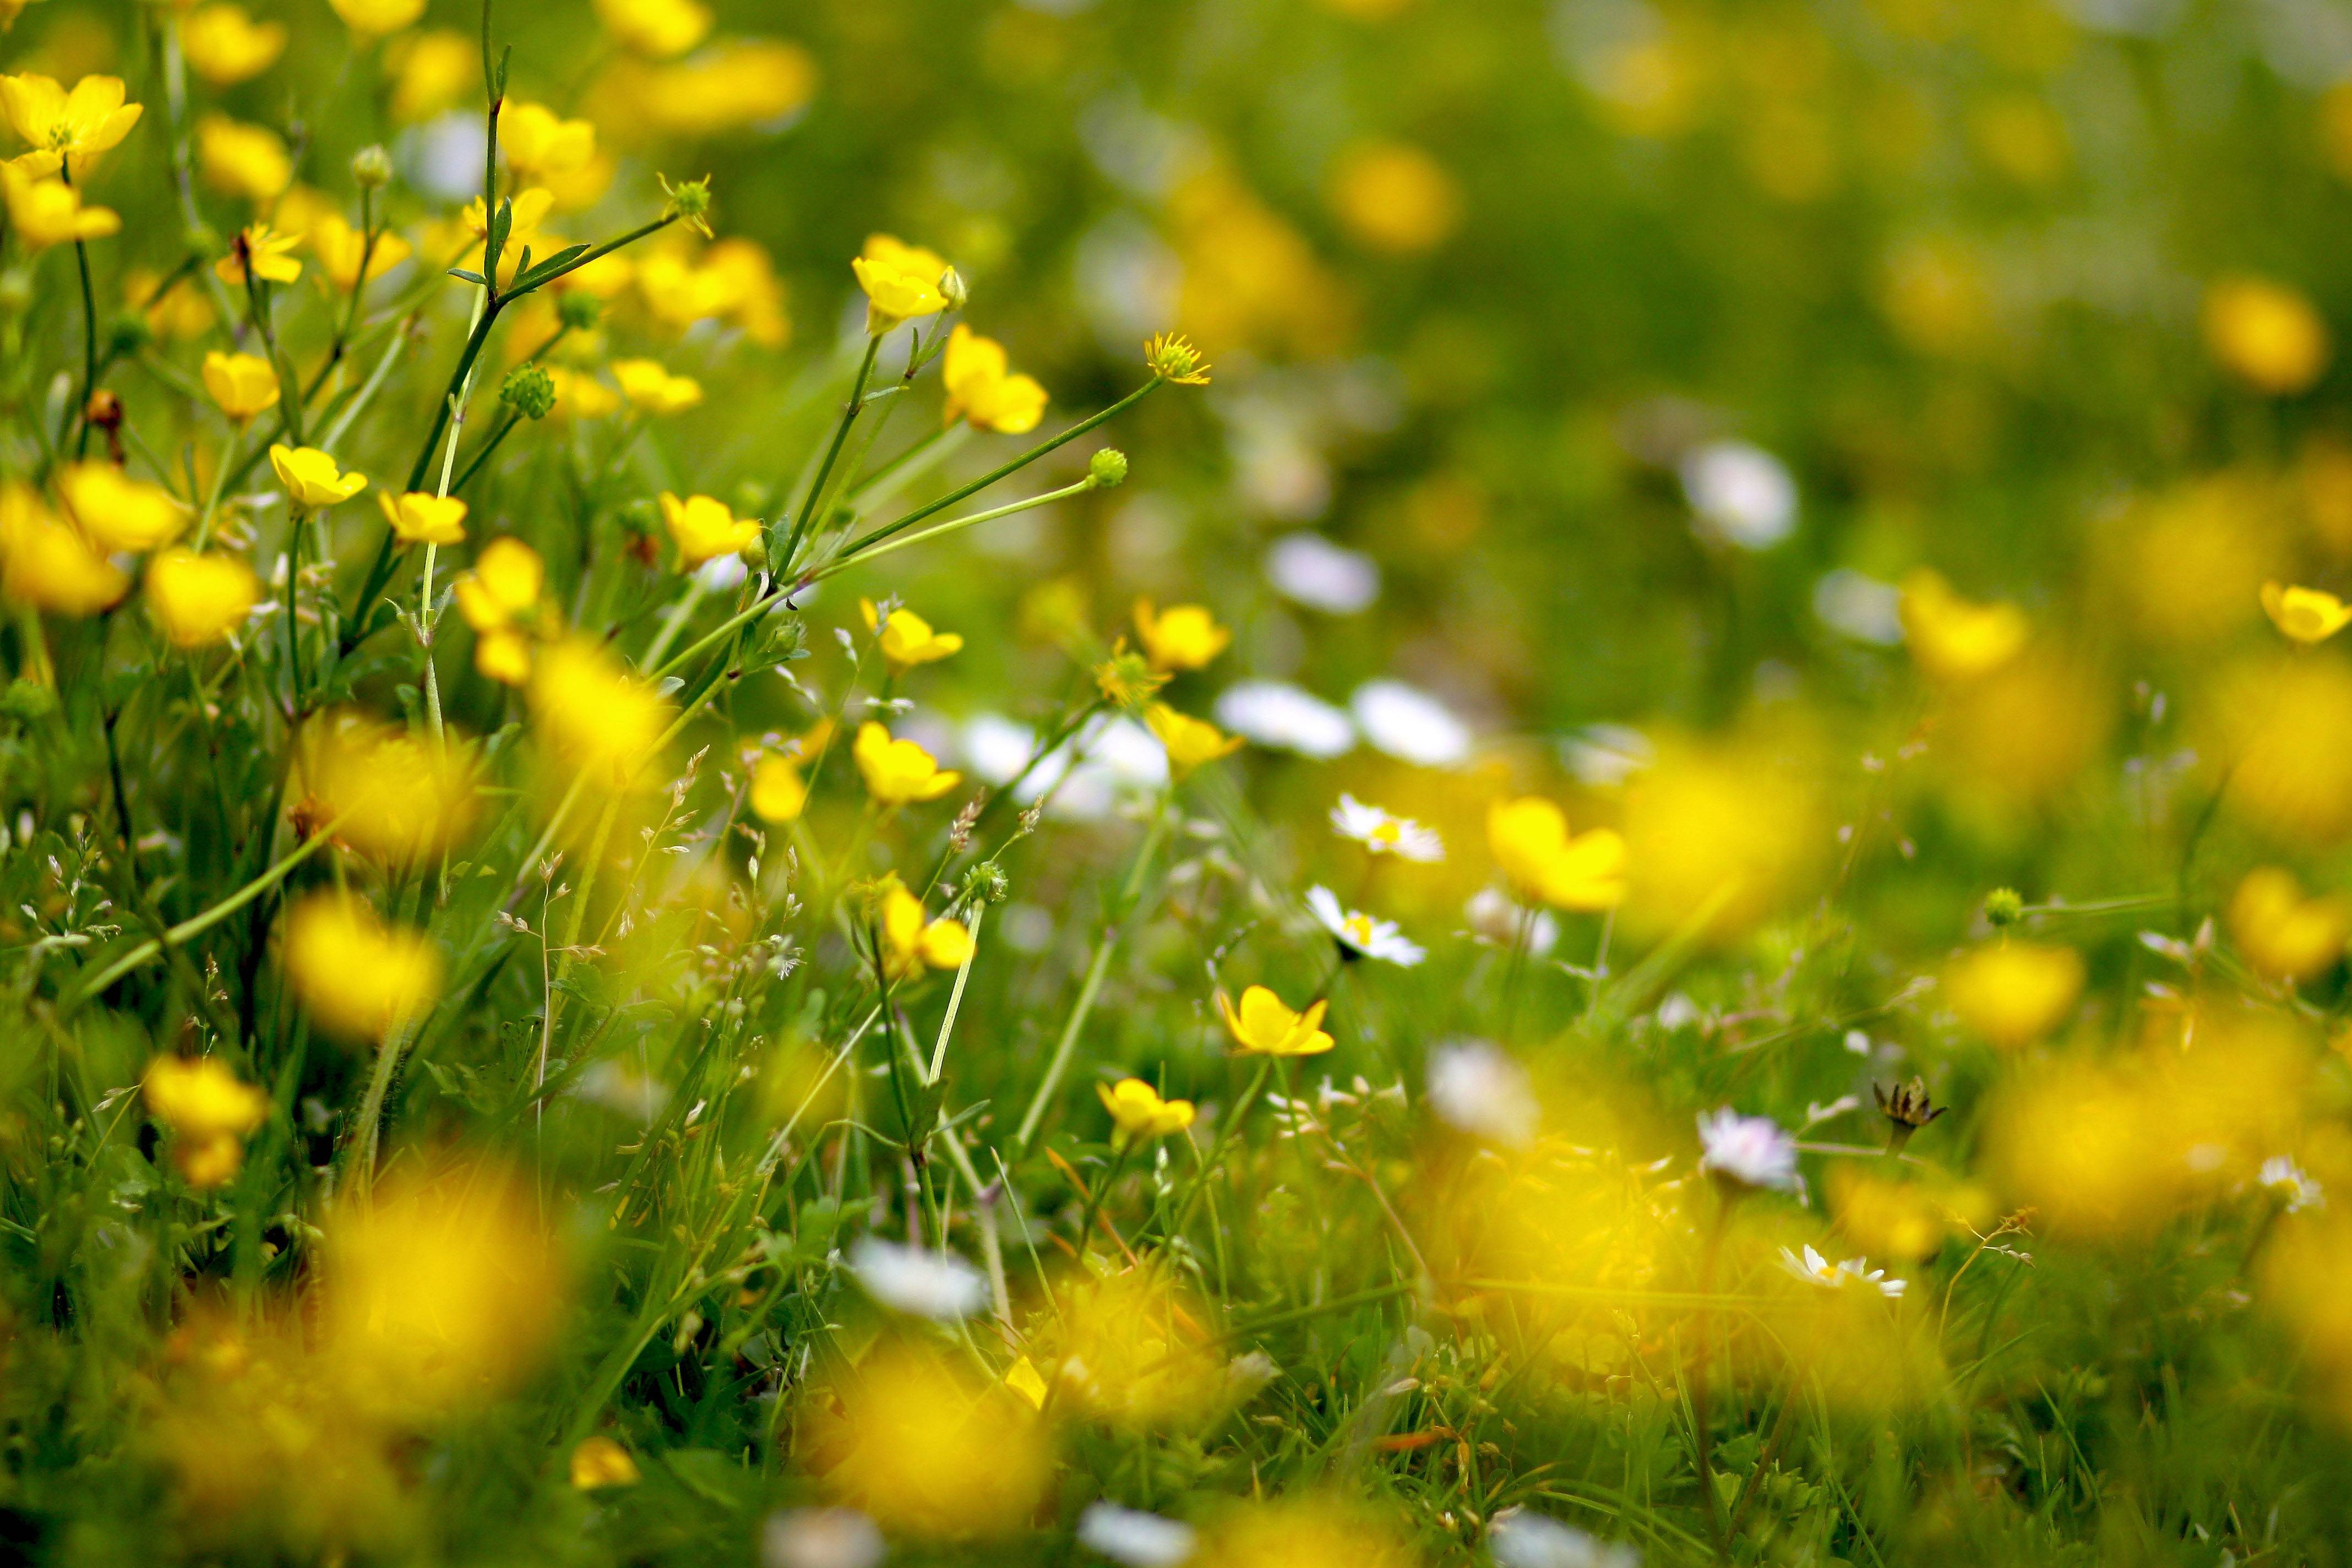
[
  {"x": 705, "y": 529},
  {"x": 46, "y": 212},
  {"x": 901, "y": 282},
  {"x": 2266, "y": 334},
  {"x": 375, "y": 18},
  {"x": 1125, "y": 681},
  {"x": 61, "y": 125},
  {"x": 118, "y": 511},
  {"x": 419, "y": 518},
  {"x": 211, "y": 1113},
  {"x": 1749, "y": 1150},
  {"x": 359, "y": 977},
  {"x": 1139, "y": 1113},
  {"x": 599, "y": 1462},
  {"x": 1359, "y": 934},
  {"x": 311, "y": 478},
  {"x": 1264, "y": 1026},
  {"x": 908, "y": 639},
  {"x": 1393, "y": 196},
  {"x": 1381, "y": 834},
  {"x": 1173, "y": 357},
  {"x": 2014, "y": 992},
  {"x": 225, "y": 45},
  {"x": 1530, "y": 842},
  {"x": 1184, "y": 637},
  {"x": 579, "y": 395},
  {"x": 779, "y": 794},
  {"x": 1815, "y": 1269},
  {"x": 2307, "y": 616},
  {"x": 1954, "y": 638},
  {"x": 198, "y": 600},
  {"x": 391, "y": 795},
  {"x": 430, "y": 71},
  {"x": 653, "y": 389},
  {"x": 242, "y": 385},
  {"x": 48, "y": 565},
  {"x": 496, "y": 597},
  {"x": 981, "y": 391},
  {"x": 266, "y": 254},
  {"x": 539, "y": 143},
  {"x": 898, "y": 773},
  {"x": 2282, "y": 933},
  {"x": 339, "y": 247},
  {"x": 594, "y": 714},
  {"x": 658, "y": 29},
  {"x": 910, "y": 943},
  {"x": 1190, "y": 742},
  {"x": 247, "y": 161}
]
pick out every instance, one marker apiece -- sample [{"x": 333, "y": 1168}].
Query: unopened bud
[
  {"x": 1107, "y": 469},
  {"x": 952, "y": 289},
  {"x": 577, "y": 308},
  {"x": 2004, "y": 908},
  {"x": 371, "y": 166},
  {"x": 530, "y": 391},
  {"x": 128, "y": 333}
]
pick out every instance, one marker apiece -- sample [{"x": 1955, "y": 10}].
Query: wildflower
[
  {"x": 1408, "y": 725},
  {"x": 260, "y": 251},
  {"x": 652, "y": 390},
  {"x": 901, "y": 282},
  {"x": 2290, "y": 1184},
  {"x": 1750, "y": 1150},
  {"x": 1310, "y": 569},
  {"x": 540, "y": 143},
  {"x": 822, "y": 1537},
  {"x": 225, "y": 45},
  {"x": 242, "y": 385},
  {"x": 926, "y": 1453},
  {"x": 1264, "y": 1026},
  {"x": 688, "y": 202},
  {"x": 1381, "y": 834},
  {"x": 340, "y": 248},
  {"x": 48, "y": 565},
  {"x": 592, "y": 713},
  {"x": 917, "y": 1281},
  {"x": 210, "y": 1112},
  {"x": 61, "y": 125},
  {"x": 176, "y": 312},
  {"x": 980, "y": 393},
  {"x": 1135, "y": 1539},
  {"x": 1125, "y": 679},
  {"x": 1359, "y": 934},
  {"x": 599, "y": 1462},
  {"x": 2284, "y": 935},
  {"x": 430, "y": 71},
  {"x": 1520, "y": 1538},
  {"x": 359, "y": 977},
  {"x": 311, "y": 478},
  {"x": 496, "y": 597},
  {"x": 118, "y": 511},
  {"x": 1190, "y": 742},
  {"x": 1187, "y": 636},
  {"x": 418, "y": 518},
  {"x": 1395, "y": 197},
  {"x": 1907, "y": 1108},
  {"x": 528, "y": 390},
  {"x": 1276, "y": 713},
  {"x": 1530, "y": 842},
  {"x": 1952, "y": 638},
  {"x": 2266, "y": 334},
  {"x": 740, "y": 81},
  {"x": 1498, "y": 918},
  {"x": 1477, "y": 1088},
  {"x": 705, "y": 529},
  {"x": 1815, "y": 1269},
  {"x": 238, "y": 159},
  {"x": 389, "y": 793},
  {"x": 197, "y": 600},
  {"x": 376, "y": 18},
  {"x": 1173, "y": 357},
  {"x": 779, "y": 794},
  {"x": 1139, "y": 1114},
  {"x": 658, "y": 29},
  {"x": 1742, "y": 493},
  {"x": 1891, "y": 1217},
  {"x": 2307, "y": 616},
  {"x": 580, "y": 395},
  {"x": 46, "y": 212},
  {"x": 2014, "y": 992},
  {"x": 910, "y": 943},
  {"x": 907, "y": 639},
  {"x": 898, "y": 773}
]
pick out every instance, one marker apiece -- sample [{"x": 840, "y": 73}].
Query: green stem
[
  {"x": 953, "y": 525},
  {"x": 849, "y": 413}
]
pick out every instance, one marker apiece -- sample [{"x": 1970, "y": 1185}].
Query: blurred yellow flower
[
  {"x": 1139, "y": 1114},
  {"x": 1887, "y": 1219},
  {"x": 180, "y": 311},
  {"x": 2282, "y": 729},
  {"x": 61, "y": 125},
  {"x": 538, "y": 142},
  {"x": 2014, "y": 992},
  {"x": 198, "y": 600},
  {"x": 1263, "y": 1025},
  {"x": 705, "y": 529},
  {"x": 1186, "y": 636},
  {"x": 361, "y": 978},
  {"x": 733, "y": 83},
  {"x": 927, "y": 1453},
  {"x": 594, "y": 714},
  {"x": 898, "y": 773},
  {"x": 48, "y": 565},
  {"x": 261, "y": 249},
  {"x": 225, "y": 45},
  {"x": 118, "y": 511},
  {"x": 1190, "y": 742},
  {"x": 1953, "y": 638},
  {"x": 658, "y": 29},
  {"x": 375, "y": 18},
  {"x": 497, "y": 597},
  {"x": 46, "y": 212},
  {"x": 2307, "y": 616},
  {"x": 1129, "y": 1347},
  {"x": 241, "y": 384},
  {"x": 2284, "y": 935},
  {"x": 908, "y": 639},
  {"x": 2266, "y": 334},
  {"x": 901, "y": 282},
  {"x": 430, "y": 71},
  {"x": 310, "y": 477},
  {"x": 239, "y": 160},
  {"x": 579, "y": 395},
  {"x": 779, "y": 794},
  {"x": 1396, "y": 197},
  {"x": 911, "y": 942},
  {"x": 210, "y": 1111},
  {"x": 599, "y": 1462},
  {"x": 1304, "y": 1531},
  {"x": 338, "y": 247},
  {"x": 1544, "y": 864},
  {"x": 418, "y": 518},
  {"x": 653, "y": 389},
  {"x": 390, "y": 794},
  {"x": 981, "y": 391}
]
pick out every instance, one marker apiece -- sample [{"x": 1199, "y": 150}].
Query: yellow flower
[
  {"x": 901, "y": 282},
  {"x": 1264, "y": 1026},
  {"x": 199, "y": 599},
  {"x": 911, "y": 943},
  {"x": 660, "y": 30},
  {"x": 1125, "y": 679},
  {"x": 118, "y": 511},
  {"x": 649, "y": 387},
  {"x": 375, "y": 18},
  {"x": 210, "y": 1112},
  {"x": 705, "y": 529},
  {"x": 430, "y": 71},
  {"x": 928, "y": 1454},
  {"x": 908, "y": 639},
  {"x": 1138, "y": 1112},
  {"x": 389, "y": 793},
  {"x": 47, "y": 566},
  {"x": 1171, "y": 357},
  {"x": 1186, "y": 636},
  {"x": 1531, "y": 845},
  {"x": 1396, "y": 197},
  {"x": 243, "y": 384},
  {"x": 301, "y": 209},
  {"x": 2284, "y": 935},
  {"x": 181, "y": 311},
  {"x": 311, "y": 478},
  {"x": 579, "y": 395},
  {"x": 61, "y": 125},
  {"x": 238, "y": 159},
  {"x": 538, "y": 142},
  {"x": 225, "y": 45},
  {"x": 779, "y": 794},
  {"x": 338, "y": 247},
  {"x": 496, "y": 597},
  {"x": 735, "y": 83},
  {"x": 898, "y": 772},
  {"x": 2014, "y": 992},
  {"x": 1954, "y": 638},
  {"x": 421, "y": 518},
  {"x": 267, "y": 253},
  {"x": 980, "y": 393},
  {"x": 1190, "y": 742},
  {"x": 599, "y": 1462},
  {"x": 359, "y": 978},
  {"x": 46, "y": 212},
  {"x": 2266, "y": 334},
  {"x": 593, "y": 713},
  {"x": 2307, "y": 616}
]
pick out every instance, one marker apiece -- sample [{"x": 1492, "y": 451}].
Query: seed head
[
  {"x": 1173, "y": 357},
  {"x": 2004, "y": 908},
  {"x": 530, "y": 391},
  {"x": 1107, "y": 468}
]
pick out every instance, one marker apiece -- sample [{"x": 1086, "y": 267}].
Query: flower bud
[
  {"x": 690, "y": 202},
  {"x": 371, "y": 166},
  {"x": 578, "y": 310},
  {"x": 1107, "y": 468},
  {"x": 952, "y": 289},
  {"x": 2004, "y": 908},
  {"x": 127, "y": 333},
  {"x": 528, "y": 390}
]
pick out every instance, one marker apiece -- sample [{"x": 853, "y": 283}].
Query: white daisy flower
[
  {"x": 1359, "y": 934},
  {"x": 1860, "y": 606},
  {"x": 916, "y": 1280},
  {"x": 1310, "y": 569},
  {"x": 1520, "y": 1538},
  {"x": 1134, "y": 1538},
  {"x": 1410, "y": 724},
  {"x": 1480, "y": 1089},
  {"x": 2285, "y": 1180},
  {"x": 1816, "y": 1269},
  {"x": 1748, "y": 1149},
  {"x": 820, "y": 1538},
  {"x": 1742, "y": 494},
  {"x": 1277, "y": 714},
  {"x": 1381, "y": 834},
  {"x": 1496, "y": 916}
]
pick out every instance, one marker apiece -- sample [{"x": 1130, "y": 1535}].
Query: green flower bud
[
  {"x": 952, "y": 289},
  {"x": 578, "y": 310},
  {"x": 530, "y": 391},
  {"x": 2004, "y": 908},
  {"x": 1108, "y": 469},
  {"x": 371, "y": 168}
]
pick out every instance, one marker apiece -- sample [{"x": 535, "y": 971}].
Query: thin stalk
[
  {"x": 849, "y": 413},
  {"x": 953, "y": 525}
]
